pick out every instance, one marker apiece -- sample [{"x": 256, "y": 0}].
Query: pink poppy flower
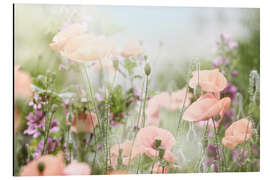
[
  {"x": 177, "y": 99},
  {"x": 115, "y": 172},
  {"x": 158, "y": 169},
  {"x": 47, "y": 165},
  {"x": 145, "y": 141},
  {"x": 84, "y": 122},
  {"x": 210, "y": 123},
  {"x": 22, "y": 83},
  {"x": 239, "y": 132},
  {"x": 61, "y": 38},
  {"x": 86, "y": 47},
  {"x": 126, "y": 148},
  {"x": 209, "y": 80},
  {"x": 206, "y": 107},
  {"x": 131, "y": 49},
  {"x": 77, "y": 168},
  {"x": 16, "y": 119}
]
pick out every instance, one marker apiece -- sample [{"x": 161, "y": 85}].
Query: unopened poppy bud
[
  {"x": 147, "y": 69},
  {"x": 161, "y": 152},
  {"x": 157, "y": 143},
  {"x": 41, "y": 167},
  {"x": 54, "y": 107}
]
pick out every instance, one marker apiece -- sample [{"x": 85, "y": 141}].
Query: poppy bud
[{"x": 147, "y": 69}]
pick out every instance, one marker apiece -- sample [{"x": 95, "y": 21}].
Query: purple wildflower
[
  {"x": 52, "y": 144},
  {"x": 35, "y": 122},
  {"x": 239, "y": 157}
]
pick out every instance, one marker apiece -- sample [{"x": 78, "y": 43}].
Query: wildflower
[
  {"x": 47, "y": 165},
  {"x": 230, "y": 90},
  {"x": 209, "y": 80},
  {"x": 239, "y": 132},
  {"x": 131, "y": 49},
  {"x": 178, "y": 97},
  {"x": 22, "y": 83},
  {"x": 206, "y": 107},
  {"x": 79, "y": 46},
  {"x": 158, "y": 169},
  {"x": 52, "y": 144},
  {"x": 115, "y": 172},
  {"x": 84, "y": 122},
  {"x": 62, "y": 37},
  {"x": 77, "y": 168},
  {"x": 125, "y": 148},
  {"x": 16, "y": 119},
  {"x": 239, "y": 156},
  {"x": 35, "y": 123},
  {"x": 145, "y": 141}
]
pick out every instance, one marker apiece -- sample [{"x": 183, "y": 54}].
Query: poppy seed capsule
[
  {"x": 41, "y": 167},
  {"x": 157, "y": 143}
]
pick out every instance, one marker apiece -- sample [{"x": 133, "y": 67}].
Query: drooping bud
[{"x": 147, "y": 69}]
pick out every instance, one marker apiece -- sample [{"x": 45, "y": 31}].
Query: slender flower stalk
[{"x": 216, "y": 141}]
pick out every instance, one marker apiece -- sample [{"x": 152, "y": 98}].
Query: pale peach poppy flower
[
  {"x": 145, "y": 141},
  {"x": 115, "y": 172},
  {"x": 131, "y": 49},
  {"x": 153, "y": 108},
  {"x": 46, "y": 165},
  {"x": 209, "y": 123},
  {"x": 77, "y": 168},
  {"x": 16, "y": 119},
  {"x": 177, "y": 99},
  {"x": 86, "y": 47},
  {"x": 22, "y": 83},
  {"x": 105, "y": 63},
  {"x": 84, "y": 122},
  {"x": 209, "y": 80},
  {"x": 239, "y": 132},
  {"x": 158, "y": 169},
  {"x": 61, "y": 38},
  {"x": 126, "y": 148},
  {"x": 206, "y": 107}
]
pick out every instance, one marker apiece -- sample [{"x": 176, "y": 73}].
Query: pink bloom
[
  {"x": 210, "y": 123},
  {"x": 209, "y": 80},
  {"x": 206, "y": 107},
  {"x": 158, "y": 169},
  {"x": 61, "y": 38},
  {"x": 178, "y": 97},
  {"x": 84, "y": 122},
  {"x": 77, "y": 168},
  {"x": 22, "y": 83},
  {"x": 145, "y": 141},
  {"x": 47, "y": 165},
  {"x": 126, "y": 148},
  {"x": 16, "y": 119},
  {"x": 73, "y": 43},
  {"x": 131, "y": 49},
  {"x": 237, "y": 133}
]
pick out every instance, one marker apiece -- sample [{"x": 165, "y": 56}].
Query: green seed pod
[
  {"x": 41, "y": 167},
  {"x": 157, "y": 143},
  {"x": 161, "y": 152}
]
